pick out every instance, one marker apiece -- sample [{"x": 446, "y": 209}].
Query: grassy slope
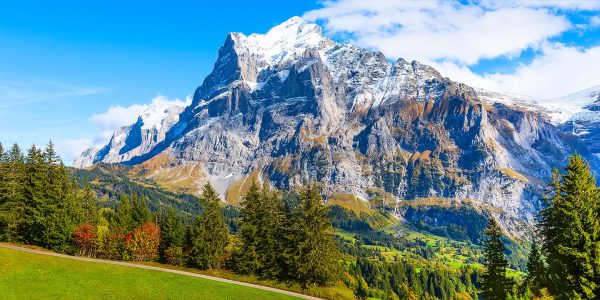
[{"x": 33, "y": 276}]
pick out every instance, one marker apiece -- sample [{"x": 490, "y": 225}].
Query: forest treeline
[
  {"x": 290, "y": 238},
  {"x": 41, "y": 205}
]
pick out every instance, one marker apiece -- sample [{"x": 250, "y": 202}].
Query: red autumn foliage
[
  {"x": 142, "y": 243},
  {"x": 84, "y": 237}
]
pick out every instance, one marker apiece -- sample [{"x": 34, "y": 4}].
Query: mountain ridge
[{"x": 305, "y": 108}]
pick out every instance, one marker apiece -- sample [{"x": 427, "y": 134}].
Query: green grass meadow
[{"x": 34, "y": 276}]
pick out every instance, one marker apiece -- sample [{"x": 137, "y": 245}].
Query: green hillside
[
  {"x": 110, "y": 181},
  {"x": 34, "y": 276}
]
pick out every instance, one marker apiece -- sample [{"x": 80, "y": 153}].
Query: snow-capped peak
[
  {"x": 160, "y": 109},
  {"x": 284, "y": 41}
]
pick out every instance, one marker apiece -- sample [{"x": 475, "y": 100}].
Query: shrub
[
  {"x": 175, "y": 256},
  {"x": 142, "y": 243},
  {"x": 85, "y": 238}
]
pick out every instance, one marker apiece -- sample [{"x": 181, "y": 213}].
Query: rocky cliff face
[{"x": 294, "y": 107}]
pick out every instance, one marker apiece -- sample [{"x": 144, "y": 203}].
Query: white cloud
[
  {"x": 70, "y": 148},
  {"x": 560, "y": 70},
  {"x": 440, "y": 30},
  {"x": 553, "y": 4},
  {"x": 453, "y": 36},
  {"x": 118, "y": 116}
]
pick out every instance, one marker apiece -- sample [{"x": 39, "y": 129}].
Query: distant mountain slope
[
  {"x": 293, "y": 106},
  {"x": 577, "y": 114},
  {"x": 112, "y": 181},
  {"x": 584, "y": 118},
  {"x": 138, "y": 138}
]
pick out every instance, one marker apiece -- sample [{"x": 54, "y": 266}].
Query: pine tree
[
  {"x": 12, "y": 201},
  {"x": 247, "y": 257},
  {"x": 124, "y": 214},
  {"x": 309, "y": 250},
  {"x": 269, "y": 234},
  {"x": 35, "y": 186},
  {"x": 140, "y": 213},
  {"x": 62, "y": 209},
  {"x": 210, "y": 234},
  {"x": 536, "y": 270},
  {"x": 569, "y": 226},
  {"x": 89, "y": 205},
  {"x": 14, "y": 155},
  {"x": 50, "y": 202},
  {"x": 261, "y": 218},
  {"x": 494, "y": 283},
  {"x": 550, "y": 225},
  {"x": 172, "y": 232},
  {"x": 51, "y": 156}
]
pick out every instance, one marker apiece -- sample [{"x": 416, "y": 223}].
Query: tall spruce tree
[
  {"x": 51, "y": 156},
  {"x": 36, "y": 206},
  {"x": 172, "y": 231},
  {"x": 536, "y": 277},
  {"x": 569, "y": 226},
  {"x": 247, "y": 257},
  {"x": 12, "y": 201},
  {"x": 210, "y": 233},
  {"x": 140, "y": 213},
  {"x": 270, "y": 233},
  {"x": 50, "y": 202},
  {"x": 309, "y": 250},
  {"x": 124, "y": 217},
  {"x": 3, "y": 180},
  {"x": 89, "y": 205},
  {"x": 63, "y": 211},
  {"x": 494, "y": 283},
  {"x": 550, "y": 219},
  {"x": 261, "y": 218}
]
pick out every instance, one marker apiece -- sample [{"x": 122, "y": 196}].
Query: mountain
[
  {"x": 577, "y": 113},
  {"x": 138, "y": 138},
  {"x": 582, "y": 116},
  {"x": 292, "y": 106}
]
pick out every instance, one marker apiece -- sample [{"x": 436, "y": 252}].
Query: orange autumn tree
[
  {"x": 85, "y": 238},
  {"x": 142, "y": 243}
]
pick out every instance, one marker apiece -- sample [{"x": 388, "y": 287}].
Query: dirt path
[{"x": 120, "y": 263}]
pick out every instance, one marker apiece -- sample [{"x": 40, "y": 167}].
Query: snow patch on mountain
[
  {"x": 161, "y": 107},
  {"x": 283, "y": 42},
  {"x": 140, "y": 137}
]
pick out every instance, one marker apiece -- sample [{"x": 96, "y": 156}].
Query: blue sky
[{"x": 62, "y": 63}]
